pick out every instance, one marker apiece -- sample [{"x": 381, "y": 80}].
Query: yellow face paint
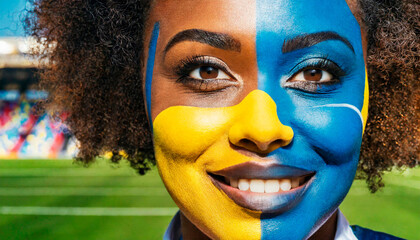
[
  {"x": 365, "y": 102},
  {"x": 191, "y": 141}
]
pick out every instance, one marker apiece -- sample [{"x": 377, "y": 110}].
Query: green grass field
[{"x": 46, "y": 199}]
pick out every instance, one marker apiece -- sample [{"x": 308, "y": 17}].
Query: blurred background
[
  {"x": 44, "y": 195},
  {"x": 24, "y": 134}
]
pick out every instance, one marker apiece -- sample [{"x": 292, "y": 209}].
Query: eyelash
[
  {"x": 322, "y": 63},
  {"x": 187, "y": 65}
]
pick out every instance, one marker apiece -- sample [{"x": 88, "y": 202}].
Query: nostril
[
  {"x": 246, "y": 142},
  {"x": 259, "y": 146},
  {"x": 254, "y": 146},
  {"x": 279, "y": 143},
  {"x": 251, "y": 145}
]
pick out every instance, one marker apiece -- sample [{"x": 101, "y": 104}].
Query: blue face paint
[
  {"x": 149, "y": 70},
  {"x": 325, "y": 118}
]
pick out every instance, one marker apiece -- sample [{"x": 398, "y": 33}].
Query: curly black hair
[{"x": 94, "y": 51}]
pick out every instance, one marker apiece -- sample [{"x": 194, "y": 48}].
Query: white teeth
[
  {"x": 272, "y": 186},
  {"x": 234, "y": 183},
  {"x": 285, "y": 185},
  {"x": 265, "y": 186},
  {"x": 257, "y": 185},
  {"x": 243, "y": 184},
  {"x": 295, "y": 182}
]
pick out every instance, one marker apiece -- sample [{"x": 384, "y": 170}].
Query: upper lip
[{"x": 262, "y": 170}]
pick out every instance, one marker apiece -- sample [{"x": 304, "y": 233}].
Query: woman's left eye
[
  {"x": 208, "y": 72},
  {"x": 312, "y": 75}
]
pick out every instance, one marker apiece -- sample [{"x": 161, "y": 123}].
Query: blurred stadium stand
[{"x": 24, "y": 134}]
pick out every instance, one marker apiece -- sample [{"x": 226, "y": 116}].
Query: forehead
[
  {"x": 306, "y": 16},
  {"x": 235, "y": 16},
  {"x": 244, "y": 15}
]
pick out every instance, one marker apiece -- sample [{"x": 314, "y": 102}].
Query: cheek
[
  {"x": 334, "y": 131},
  {"x": 185, "y": 132}
]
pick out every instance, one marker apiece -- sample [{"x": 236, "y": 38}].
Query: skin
[{"x": 259, "y": 112}]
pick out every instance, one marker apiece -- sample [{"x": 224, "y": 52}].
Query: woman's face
[{"x": 258, "y": 109}]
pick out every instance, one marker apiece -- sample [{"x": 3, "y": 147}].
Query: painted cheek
[
  {"x": 334, "y": 131},
  {"x": 187, "y": 131}
]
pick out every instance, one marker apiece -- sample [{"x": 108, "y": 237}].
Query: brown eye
[
  {"x": 312, "y": 75},
  {"x": 208, "y": 72}
]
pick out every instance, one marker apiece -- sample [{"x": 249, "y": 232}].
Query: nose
[{"x": 257, "y": 127}]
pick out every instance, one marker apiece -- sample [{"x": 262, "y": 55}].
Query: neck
[
  {"x": 325, "y": 232},
  {"x": 190, "y": 231}
]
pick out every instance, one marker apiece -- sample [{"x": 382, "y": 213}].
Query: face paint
[
  {"x": 149, "y": 69},
  {"x": 271, "y": 129},
  {"x": 326, "y": 118},
  {"x": 193, "y": 147}
]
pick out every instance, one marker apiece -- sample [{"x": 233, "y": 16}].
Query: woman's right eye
[
  {"x": 208, "y": 73},
  {"x": 205, "y": 74}
]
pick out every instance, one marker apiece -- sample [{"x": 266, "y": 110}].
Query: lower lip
[{"x": 276, "y": 203}]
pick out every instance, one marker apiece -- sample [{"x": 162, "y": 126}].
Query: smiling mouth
[{"x": 267, "y": 187}]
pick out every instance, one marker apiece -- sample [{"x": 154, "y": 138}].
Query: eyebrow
[
  {"x": 214, "y": 39},
  {"x": 309, "y": 40}
]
